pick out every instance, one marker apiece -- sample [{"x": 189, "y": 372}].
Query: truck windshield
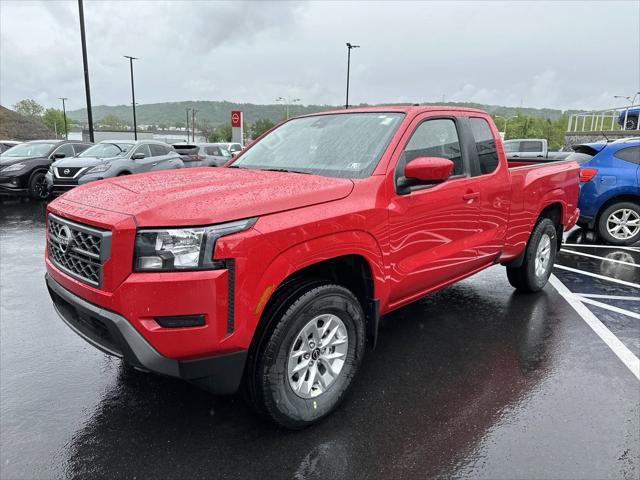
[{"x": 345, "y": 145}]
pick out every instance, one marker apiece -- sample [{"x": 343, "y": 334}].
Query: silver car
[
  {"x": 202, "y": 154},
  {"x": 111, "y": 158}
]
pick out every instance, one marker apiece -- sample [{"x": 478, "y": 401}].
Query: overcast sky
[{"x": 538, "y": 54}]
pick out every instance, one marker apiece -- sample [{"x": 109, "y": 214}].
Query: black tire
[
  {"x": 524, "y": 278},
  {"x": 603, "y": 221},
  {"x": 38, "y": 188},
  {"x": 271, "y": 390},
  {"x": 632, "y": 123}
]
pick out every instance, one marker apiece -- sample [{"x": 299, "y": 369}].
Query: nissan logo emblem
[
  {"x": 65, "y": 238},
  {"x": 66, "y": 171}
]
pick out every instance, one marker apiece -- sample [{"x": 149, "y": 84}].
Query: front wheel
[
  {"x": 309, "y": 360},
  {"x": 619, "y": 224},
  {"x": 632, "y": 123},
  {"x": 38, "y": 188},
  {"x": 539, "y": 258}
]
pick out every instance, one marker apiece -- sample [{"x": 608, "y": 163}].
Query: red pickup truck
[{"x": 272, "y": 273}]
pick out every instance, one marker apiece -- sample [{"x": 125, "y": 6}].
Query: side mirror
[
  {"x": 56, "y": 156},
  {"x": 138, "y": 156},
  {"x": 425, "y": 171}
]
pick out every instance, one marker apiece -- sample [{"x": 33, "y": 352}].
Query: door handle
[{"x": 470, "y": 196}]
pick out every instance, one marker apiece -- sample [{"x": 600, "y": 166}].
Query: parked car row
[{"x": 41, "y": 168}]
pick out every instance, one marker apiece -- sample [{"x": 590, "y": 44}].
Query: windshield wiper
[{"x": 284, "y": 170}]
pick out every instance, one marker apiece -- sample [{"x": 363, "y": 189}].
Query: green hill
[{"x": 218, "y": 112}]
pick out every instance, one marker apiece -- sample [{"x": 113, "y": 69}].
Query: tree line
[{"x": 521, "y": 125}]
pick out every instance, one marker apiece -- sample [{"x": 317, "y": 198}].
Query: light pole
[
  {"x": 187, "y": 109},
  {"x": 64, "y": 114},
  {"x": 506, "y": 119},
  {"x": 287, "y": 102},
  {"x": 133, "y": 97},
  {"x": 85, "y": 64},
  {"x": 349, "y": 48}
]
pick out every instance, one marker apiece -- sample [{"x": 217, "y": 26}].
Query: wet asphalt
[{"x": 475, "y": 381}]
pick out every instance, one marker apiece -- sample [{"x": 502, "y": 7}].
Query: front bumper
[
  {"x": 13, "y": 185},
  {"x": 113, "y": 334}
]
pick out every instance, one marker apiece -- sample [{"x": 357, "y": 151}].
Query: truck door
[
  {"x": 432, "y": 228},
  {"x": 494, "y": 183}
]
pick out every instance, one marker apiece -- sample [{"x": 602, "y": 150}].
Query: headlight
[
  {"x": 100, "y": 168},
  {"x": 14, "y": 168},
  {"x": 182, "y": 248}
]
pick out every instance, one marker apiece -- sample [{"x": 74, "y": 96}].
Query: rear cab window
[
  {"x": 485, "y": 144},
  {"x": 531, "y": 146}
]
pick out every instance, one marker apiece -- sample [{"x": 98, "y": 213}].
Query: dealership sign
[{"x": 237, "y": 135}]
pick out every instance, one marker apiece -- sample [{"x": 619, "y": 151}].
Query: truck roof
[{"x": 401, "y": 109}]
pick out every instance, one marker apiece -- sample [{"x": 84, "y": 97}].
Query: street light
[
  {"x": 133, "y": 97},
  {"x": 287, "y": 102},
  {"x": 349, "y": 48},
  {"x": 506, "y": 119},
  {"x": 64, "y": 113}
]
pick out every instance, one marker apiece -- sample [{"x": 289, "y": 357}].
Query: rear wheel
[
  {"x": 632, "y": 123},
  {"x": 38, "y": 188},
  {"x": 539, "y": 258},
  {"x": 619, "y": 224},
  {"x": 308, "y": 360}
]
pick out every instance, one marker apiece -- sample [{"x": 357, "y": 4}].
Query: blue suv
[{"x": 609, "y": 189}]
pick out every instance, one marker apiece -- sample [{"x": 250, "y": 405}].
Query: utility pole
[
  {"x": 349, "y": 47},
  {"x": 64, "y": 113},
  {"x": 86, "y": 70},
  {"x": 187, "y": 109},
  {"x": 193, "y": 124},
  {"x": 133, "y": 97}
]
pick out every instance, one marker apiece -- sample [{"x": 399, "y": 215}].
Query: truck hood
[{"x": 201, "y": 196}]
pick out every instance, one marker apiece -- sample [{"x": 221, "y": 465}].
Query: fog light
[{"x": 181, "y": 321}]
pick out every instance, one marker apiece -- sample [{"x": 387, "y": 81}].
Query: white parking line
[
  {"x": 606, "y": 306},
  {"x": 608, "y": 297},
  {"x": 582, "y": 254},
  {"x": 622, "y": 352},
  {"x": 582, "y": 245},
  {"x": 595, "y": 275}
]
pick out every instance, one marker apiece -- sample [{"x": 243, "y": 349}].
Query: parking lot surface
[{"x": 474, "y": 381}]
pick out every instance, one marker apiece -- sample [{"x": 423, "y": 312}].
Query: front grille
[
  {"x": 67, "y": 172},
  {"x": 77, "y": 249}
]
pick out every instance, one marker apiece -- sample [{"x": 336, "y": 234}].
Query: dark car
[
  {"x": 23, "y": 167},
  {"x": 203, "y": 154}
]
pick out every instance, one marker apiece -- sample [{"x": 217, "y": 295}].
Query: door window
[
  {"x": 213, "y": 151},
  {"x": 143, "y": 149},
  {"x": 67, "y": 149},
  {"x": 80, "y": 147},
  {"x": 436, "y": 138},
  {"x": 158, "y": 150},
  {"x": 485, "y": 144}
]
